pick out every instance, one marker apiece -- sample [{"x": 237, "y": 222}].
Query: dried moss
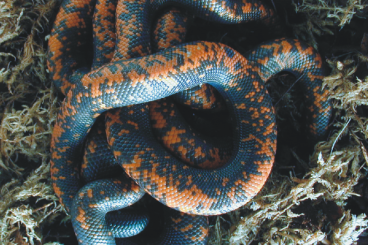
[
  {"x": 272, "y": 213},
  {"x": 323, "y": 16},
  {"x": 306, "y": 207},
  {"x": 28, "y": 206},
  {"x": 27, "y": 111}
]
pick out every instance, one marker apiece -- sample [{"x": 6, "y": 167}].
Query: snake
[{"x": 91, "y": 89}]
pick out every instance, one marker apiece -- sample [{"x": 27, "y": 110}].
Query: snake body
[{"x": 117, "y": 80}]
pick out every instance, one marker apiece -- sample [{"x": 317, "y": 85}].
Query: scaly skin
[{"x": 128, "y": 82}]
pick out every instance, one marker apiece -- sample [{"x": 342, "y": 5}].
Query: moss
[
  {"x": 323, "y": 16},
  {"x": 297, "y": 206},
  {"x": 27, "y": 111}
]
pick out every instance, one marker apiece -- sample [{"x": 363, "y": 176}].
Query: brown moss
[
  {"x": 281, "y": 213},
  {"x": 27, "y": 111},
  {"x": 323, "y": 16}
]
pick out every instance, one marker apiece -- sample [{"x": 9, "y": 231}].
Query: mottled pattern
[
  {"x": 189, "y": 145},
  {"x": 89, "y": 214},
  {"x": 71, "y": 30},
  {"x": 98, "y": 160},
  {"x": 119, "y": 77}
]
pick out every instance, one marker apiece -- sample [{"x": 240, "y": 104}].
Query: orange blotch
[{"x": 81, "y": 218}]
